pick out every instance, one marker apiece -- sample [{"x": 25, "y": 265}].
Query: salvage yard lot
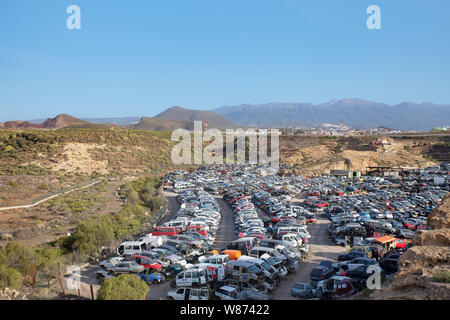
[{"x": 247, "y": 201}]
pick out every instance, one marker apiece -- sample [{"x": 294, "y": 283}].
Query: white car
[{"x": 189, "y": 294}]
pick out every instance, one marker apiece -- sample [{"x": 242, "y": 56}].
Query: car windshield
[
  {"x": 276, "y": 253},
  {"x": 254, "y": 269},
  {"x": 266, "y": 266},
  {"x": 285, "y": 250},
  {"x": 271, "y": 261}
]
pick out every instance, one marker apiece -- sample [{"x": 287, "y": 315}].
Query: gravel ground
[{"x": 320, "y": 248}]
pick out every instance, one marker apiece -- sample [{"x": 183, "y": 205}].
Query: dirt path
[
  {"x": 25, "y": 206},
  {"x": 226, "y": 232},
  {"x": 321, "y": 248}
]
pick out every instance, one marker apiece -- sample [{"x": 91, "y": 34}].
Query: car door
[
  {"x": 179, "y": 294},
  {"x": 121, "y": 268},
  {"x": 181, "y": 278},
  {"x": 195, "y": 294},
  {"x": 204, "y": 294}
]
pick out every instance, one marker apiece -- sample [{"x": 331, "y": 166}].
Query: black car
[
  {"x": 320, "y": 273},
  {"x": 390, "y": 263},
  {"x": 351, "y": 255},
  {"x": 360, "y": 273},
  {"x": 404, "y": 234}
]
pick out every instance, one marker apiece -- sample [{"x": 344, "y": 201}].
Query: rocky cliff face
[{"x": 424, "y": 268}]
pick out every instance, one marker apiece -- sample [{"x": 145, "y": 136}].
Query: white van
[
  {"x": 131, "y": 247},
  {"x": 192, "y": 277},
  {"x": 292, "y": 229},
  {"x": 153, "y": 241},
  {"x": 176, "y": 223}
]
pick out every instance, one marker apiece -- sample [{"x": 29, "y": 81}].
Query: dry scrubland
[{"x": 35, "y": 164}]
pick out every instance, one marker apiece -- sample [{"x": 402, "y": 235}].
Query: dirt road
[
  {"x": 227, "y": 232},
  {"x": 321, "y": 248}
]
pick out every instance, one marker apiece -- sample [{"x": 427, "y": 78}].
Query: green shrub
[
  {"x": 10, "y": 277},
  {"x": 20, "y": 257},
  {"x": 123, "y": 287},
  {"x": 9, "y": 149},
  {"x": 48, "y": 256},
  {"x": 14, "y": 184},
  {"x": 442, "y": 276},
  {"x": 44, "y": 186},
  {"x": 91, "y": 234}
]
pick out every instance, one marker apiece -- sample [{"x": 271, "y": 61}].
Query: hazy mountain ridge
[{"x": 353, "y": 112}]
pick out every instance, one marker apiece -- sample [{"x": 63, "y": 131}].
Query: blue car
[
  {"x": 302, "y": 290},
  {"x": 152, "y": 277}
]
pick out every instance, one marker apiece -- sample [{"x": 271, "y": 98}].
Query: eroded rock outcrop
[{"x": 420, "y": 265}]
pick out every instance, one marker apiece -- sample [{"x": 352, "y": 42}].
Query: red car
[
  {"x": 410, "y": 226},
  {"x": 197, "y": 229},
  {"x": 165, "y": 231},
  {"x": 146, "y": 262},
  {"x": 322, "y": 204}
]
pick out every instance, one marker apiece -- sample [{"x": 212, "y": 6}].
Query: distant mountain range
[{"x": 354, "y": 113}]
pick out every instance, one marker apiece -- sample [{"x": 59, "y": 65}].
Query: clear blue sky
[{"x": 141, "y": 57}]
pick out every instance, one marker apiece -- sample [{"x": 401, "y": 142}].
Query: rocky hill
[
  {"x": 214, "y": 119},
  {"x": 159, "y": 124},
  {"x": 60, "y": 121},
  {"x": 425, "y": 268}
]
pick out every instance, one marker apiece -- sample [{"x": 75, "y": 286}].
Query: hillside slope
[
  {"x": 159, "y": 124},
  {"x": 214, "y": 119},
  {"x": 309, "y": 155}
]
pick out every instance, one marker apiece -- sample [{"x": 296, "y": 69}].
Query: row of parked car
[
  {"x": 166, "y": 250},
  {"x": 373, "y": 217},
  {"x": 375, "y": 226},
  {"x": 264, "y": 251}
]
